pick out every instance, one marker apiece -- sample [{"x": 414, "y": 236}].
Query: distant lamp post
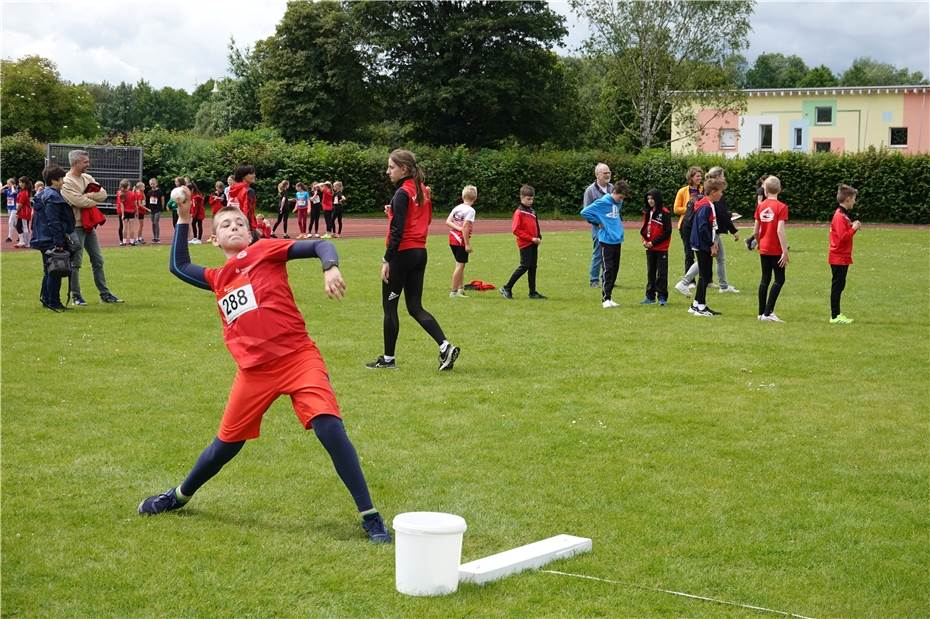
[{"x": 216, "y": 87}]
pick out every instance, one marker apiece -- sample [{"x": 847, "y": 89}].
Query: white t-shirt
[{"x": 460, "y": 214}]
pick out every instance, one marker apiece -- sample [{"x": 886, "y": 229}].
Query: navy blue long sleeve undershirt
[{"x": 179, "y": 262}]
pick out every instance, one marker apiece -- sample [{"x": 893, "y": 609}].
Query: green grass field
[{"x": 778, "y": 465}]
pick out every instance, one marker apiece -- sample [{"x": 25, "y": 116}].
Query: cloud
[{"x": 182, "y": 43}]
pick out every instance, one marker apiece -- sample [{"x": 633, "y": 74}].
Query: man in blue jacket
[
  {"x": 52, "y": 222},
  {"x": 604, "y": 215}
]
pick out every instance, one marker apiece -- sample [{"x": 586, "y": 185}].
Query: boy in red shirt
[
  {"x": 842, "y": 230},
  {"x": 769, "y": 231},
  {"x": 266, "y": 335},
  {"x": 525, "y": 228}
]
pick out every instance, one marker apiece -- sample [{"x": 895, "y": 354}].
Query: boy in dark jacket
[
  {"x": 656, "y": 233},
  {"x": 52, "y": 222},
  {"x": 703, "y": 241}
]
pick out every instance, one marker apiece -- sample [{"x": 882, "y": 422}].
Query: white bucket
[{"x": 428, "y": 550}]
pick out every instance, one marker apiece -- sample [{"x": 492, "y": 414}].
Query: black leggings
[
  {"x": 120, "y": 231},
  {"x": 314, "y": 220},
  {"x": 337, "y": 219},
  {"x": 406, "y": 273},
  {"x": 528, "y": 258},
  {"x": 328, "y": 217},
  {"x": 837, "y": 287},
  {"x": 689, "y": 253},
  {"x": 331, "y": 433},
  {"x": 769, "y": 266},
  {"x": 705, "y": 272},
  {"x": 282, "y": 217},
  {"x": 197, "y": 229}
]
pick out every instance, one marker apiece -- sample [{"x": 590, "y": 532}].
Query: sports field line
[{"x": 679, "y": 593}]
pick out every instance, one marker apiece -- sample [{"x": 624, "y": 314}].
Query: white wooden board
[{"x": 529, "y": 557}]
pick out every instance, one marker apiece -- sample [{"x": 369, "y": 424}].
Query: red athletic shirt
[
  {"x": 768, "y": 213},
  {"x": 327, "y": 198},
  {"x": 416, "y": 223},
  {"x": 253, "y": 290},
  {"x": 240, "y": 198},
  {"x": 217, "y": 201},
  {"x": 841, "y": 238},
  {"x": 525, "y": 227},
  {"x": 23, "y": 205},
  {"x": 197, "y": 210},
  {"x": 138, "y": 198},
  {"x": 129, "y": 205}
]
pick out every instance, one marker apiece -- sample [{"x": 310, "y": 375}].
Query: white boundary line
[{"x": 679, "y": 593}]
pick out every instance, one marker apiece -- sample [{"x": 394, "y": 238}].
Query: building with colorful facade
[{"x": 840, "y": 119}]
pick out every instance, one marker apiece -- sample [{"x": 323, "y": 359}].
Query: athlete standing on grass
[
  {"x": 403, "y": 266},
  {"x": 266, "y": 335}
]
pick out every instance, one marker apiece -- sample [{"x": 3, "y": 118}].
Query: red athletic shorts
[{"x": 301, "y": 375}]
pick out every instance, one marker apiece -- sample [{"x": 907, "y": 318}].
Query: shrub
[
  {"x": 892, "y": 186},
  {"x": 21, "y": 155}
]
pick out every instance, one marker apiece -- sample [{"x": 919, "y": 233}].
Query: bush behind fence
[{"x": 892, "y": 187}]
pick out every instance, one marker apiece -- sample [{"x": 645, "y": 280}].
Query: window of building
[
  {"x": 728, "y": 138},
  {"x": 822, "y": 147},
  {"x": 765, "y": 137},
  {"x": 898, "y": 136},
  {"x": 823, "y": 115},
  {"x": 798, "y": 138}
]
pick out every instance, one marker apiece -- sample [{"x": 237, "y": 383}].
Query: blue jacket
[
  {"x": 605, "y": 213},
  {"x": 52, "y": 220},
  {"x": 703, "y": 225}
]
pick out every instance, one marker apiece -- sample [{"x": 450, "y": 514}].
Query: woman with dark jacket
[{"x": 52, "y": 222}]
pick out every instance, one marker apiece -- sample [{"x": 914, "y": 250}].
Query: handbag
[{"x": 59, "y": 262}]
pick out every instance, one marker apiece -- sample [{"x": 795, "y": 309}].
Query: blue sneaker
[
  {"x": 647, "y": 301},
  {"x": 77, "y": 299},
  {"x": 375, "y": 529},
  {"x": 165, "y": 502},
  {"x": 663, "y": 301}
]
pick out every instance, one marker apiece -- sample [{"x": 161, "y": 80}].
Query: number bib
[
  {"x": 153, "y": 200},
  {"x": 236, "y": 299}
]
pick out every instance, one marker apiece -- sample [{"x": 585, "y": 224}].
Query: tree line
[{"x": 480, "y": 74}]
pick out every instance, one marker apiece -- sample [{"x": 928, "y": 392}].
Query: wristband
[{"x": 328, "y": 264}]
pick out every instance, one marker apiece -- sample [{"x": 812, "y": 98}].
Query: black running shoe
[
  {"x": 164, "y": 502},
  {"x": 447, "y": 359},
  {"x": 77, "y": 299},
  {"x": 505, "y": 292},
  {"x": 375, "y": 529},
  {"x": 381, "y": 364},
  {"x": 536, "y": 295},
  {"x": 110, "y": 298}
]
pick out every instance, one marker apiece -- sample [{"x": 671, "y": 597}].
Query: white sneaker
[
  {"x": 762, "y": 317},
  {"x": 683, "y": 289},
  {"x": 692, "y": 286},
  {"x": 692, "y": 309},
  {"x": 609, "y": 304},
  {"x": 730, "y": 289},
  {"x": 772, "y": 318}
]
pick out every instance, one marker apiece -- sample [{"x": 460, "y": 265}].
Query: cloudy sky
[{"x": 182, "y": 43}]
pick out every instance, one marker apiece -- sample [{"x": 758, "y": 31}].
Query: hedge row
[{"x": 893, "y": 187}]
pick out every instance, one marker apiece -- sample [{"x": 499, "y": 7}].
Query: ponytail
[{"x": 408, "y": 160}]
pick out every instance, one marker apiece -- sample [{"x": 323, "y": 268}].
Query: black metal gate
[{"x": 108, "y": 164}]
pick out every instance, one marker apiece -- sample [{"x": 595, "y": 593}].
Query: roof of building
[{"x": 837, "y": 90}]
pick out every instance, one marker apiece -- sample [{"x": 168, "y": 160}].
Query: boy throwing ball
[{"x": 266, "y": 335}]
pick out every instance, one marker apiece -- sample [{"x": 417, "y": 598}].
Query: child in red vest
[
  {"x": 656, "y": 233},
  {"x": 525, "y": 227},
  {"x": 842, "y": 231}
]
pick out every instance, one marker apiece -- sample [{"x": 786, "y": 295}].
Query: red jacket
[
  {"x": 197, "y": 210},
  {"x": 525, "y": 227},
  {"x": 841, "y": 238},
  {"x": 327, "y": 198},
  {"x": 24, "y": 208},
  {"x": 657, "y": 226},
  {"x": 240, "y": 197}
]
